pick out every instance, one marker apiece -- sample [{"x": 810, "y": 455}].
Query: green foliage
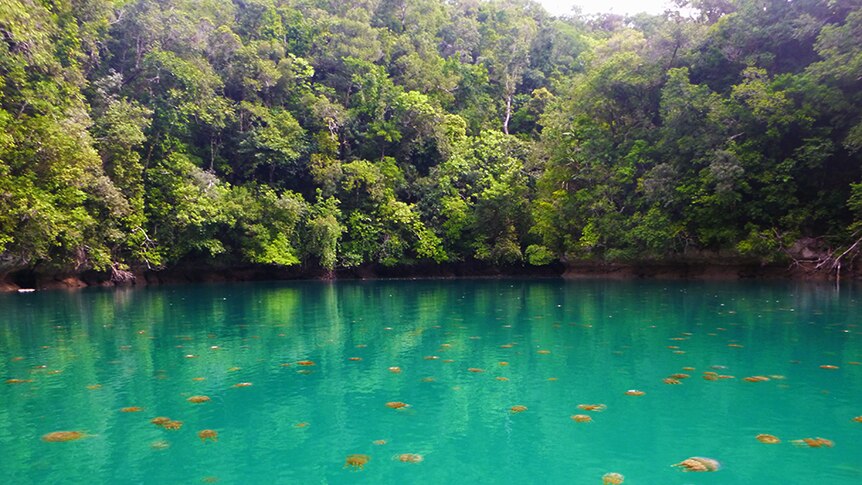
[{"x": 149, "y": 133}]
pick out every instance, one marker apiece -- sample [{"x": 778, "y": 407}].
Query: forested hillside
[{"x": 142, "y": 134}]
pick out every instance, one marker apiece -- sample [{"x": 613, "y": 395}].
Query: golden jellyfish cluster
[
  {"x": 198, "y": 399},
  {"x": 356, "y": 461},
  {"x": 592, "y": 407},
  {"x": 396, "y": 404},
  {"x": 768, "y": 439},
  {"x": 62, "y": 436},
  {"x": 518, "y": 408},
  {"x": 671, "y": 380},
  {"x": 167, "y": 423},
  {"x": 409, "y": 458},
  {"x": 581, "y": 418},
  {"x": 814, "y": 442},
  {"x": 208, "y": 434},
  {"x": 698, "y": 464},
  {"x": 612, "y": 479}
]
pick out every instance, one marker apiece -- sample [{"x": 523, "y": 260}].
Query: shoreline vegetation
[
  {"x": 192, "y": 274},
  {"x": 155, "y": 141}
]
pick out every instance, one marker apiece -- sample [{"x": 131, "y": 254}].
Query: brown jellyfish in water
[
  {"x": 829, "y": 367},
  {"x": 378, "y": 442},
  {"x": 354, "y": 359},
  {"x": 475, "y": 370},
  {"x": 858, "y": 419},
  {"x": 356, "y": 461},
  {"x": 303, "y": 424},
  {"x": 698, "y": 464},
  {"x": 501, "y": 378},
  {"x": 242, "y": 384},
  {"x": 680, "y": 376},
  {"x": 18, "y": 381},
  {"x": 198, "y": 399},
  {"x": 581, "y": 418},
  {"x": 173, "y": 425},
  {"x": 61, "y": 436},
  {"x": 592, "y": 407},
  {"x": 518, "y": 408},
  {"x": 768, "y": 439},
  {"x": 544, "y": 352},
  {"x": 409, "y": 458},
  {"x": 208, "y": 434},
  {"x": 814, "y": 442},
  {"x": 671, "y": 380},
  {"x": 395, "y": 369},
  {"x": 396, "y": 404},
  {"x": 160, "y": 420},
  {"x": 305, "y": 363},
  {"x": 131, "y": 409},
  {"x": 634, "y": 392},
  {"x": 431, "y": 357},
  {"x": 612, "y": 479},
  {"x": 755, "y": 379}
]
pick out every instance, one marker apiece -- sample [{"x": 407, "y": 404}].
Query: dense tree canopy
[{"x": 143, "y": 133}]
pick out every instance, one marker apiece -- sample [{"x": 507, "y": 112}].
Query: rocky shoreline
[{"x": 212, "y": 273}]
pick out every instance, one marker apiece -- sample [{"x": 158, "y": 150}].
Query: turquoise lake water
[{"x": 90, "y": 353}]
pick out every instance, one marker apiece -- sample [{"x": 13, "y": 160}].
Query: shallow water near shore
[{"x": 77, "y": 358}]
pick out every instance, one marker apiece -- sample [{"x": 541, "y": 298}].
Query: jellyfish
[
  {"x": 503, "y": 363},
  {"x": 409, "y": 458},
  {"x": 699, "y": 464},
  {"x": 60, "y": 436},
  {"x": 301, "y": 425},
  {"x": 768, "y": 439},
  {"x": 634, "y": 392},
  {"x": 93, "y": 387},
  {"x": 724, "y": 376},
  {"x": 475, "y": 369},
  {"x": 756, "y": 379},
  {"x": 448, "y": 361},
  {"x": 305, "y": 362},
  {"x": 688, "y": 369},
  {"x": 501, "y": 378},
  {"x": 671, "y": 380},
  {"x": 242, "y": 384},
  {"x": 427, "y": 379},
  {"x": 173, "y": 425},
  {"x": 210, "y": 479},
  {"x": 858, "y": 419},
  {"x": 431, "y": 357},
  {"x": 396, "y": 404},
  {"x": 198, "y": 399},
  {"x": 356, "y": 461},
  {"x": 208, "y": 434},
  {"x": 506, "y": 346},
  {"x": 234, "y": 369},
  {"x": 736, "y": 346},
  {"x": 829, "y": 367},
  {"x": 581, "y": 418},
  {"x": 18, "y": 381},
  {"x": 198, "y": 379},
  {"x": 160, "y": 445},
  {"x": 544, "y": 352},
  {"x": 612, "y": 479},
  {"x": 378, "y": 442},
  {"x": 395, "y": 369},
  {"x": 680, "y": 376},
  {"x": 710, "y": 376},
  {"x": 814, "y": 442},
  {"x": 354, "y": 359},
  {"x": 592, "y": 407},
  {"x": 131, "y": 409},
  {"x": 518, "y": 408}
]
